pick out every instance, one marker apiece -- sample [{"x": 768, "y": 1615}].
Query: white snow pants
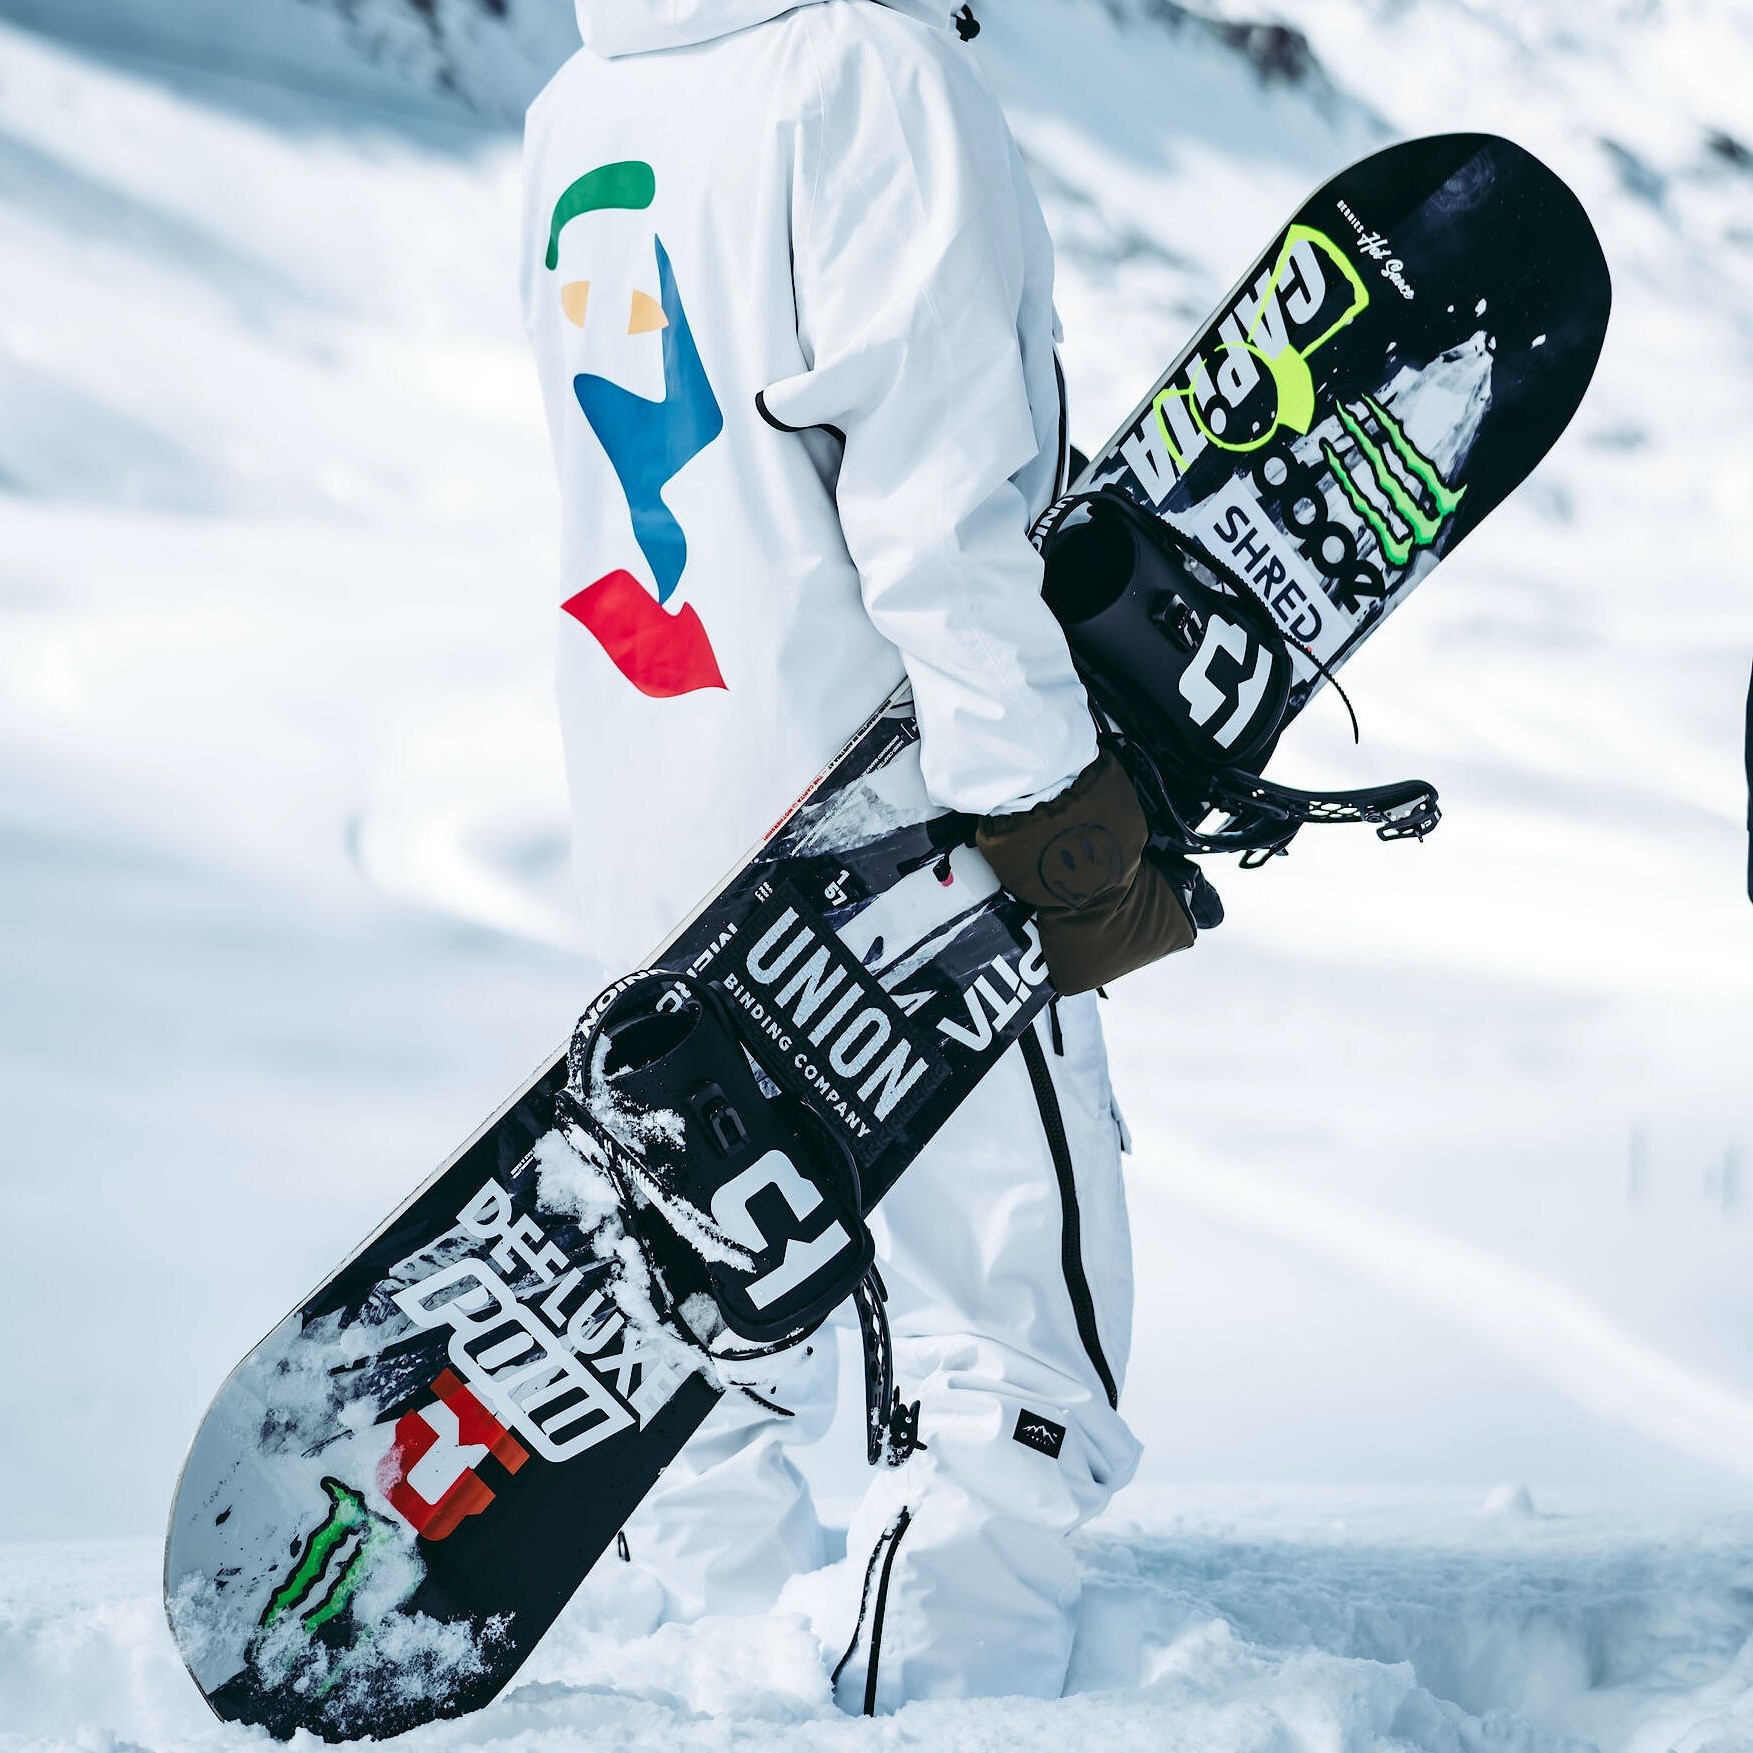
[{"x": 1008, "y": 1263}]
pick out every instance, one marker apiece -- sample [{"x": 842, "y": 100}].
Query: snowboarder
[{"x": 790, "y": 295}]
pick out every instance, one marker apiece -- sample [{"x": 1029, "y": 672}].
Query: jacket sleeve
[{"x": 909, "y": 264}]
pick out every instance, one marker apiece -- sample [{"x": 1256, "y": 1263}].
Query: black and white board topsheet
[{"x": 395, "y": 1493}]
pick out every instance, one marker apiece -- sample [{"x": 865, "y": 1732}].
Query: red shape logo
[
  {"x": 429, "y": 1476},
  {"x": 661, "y": 654}
]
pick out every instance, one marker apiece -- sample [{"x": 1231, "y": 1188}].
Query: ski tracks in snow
[{"x": 1571, "y": 1343}]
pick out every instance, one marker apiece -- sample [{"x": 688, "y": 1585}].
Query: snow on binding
[{"x": 397, "y": 1491}]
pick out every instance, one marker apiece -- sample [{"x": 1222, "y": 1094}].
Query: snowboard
[{"x": 396, "y": 1492}]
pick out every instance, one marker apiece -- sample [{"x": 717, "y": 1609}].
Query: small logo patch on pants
[{"x": 1035, "y": 1432}]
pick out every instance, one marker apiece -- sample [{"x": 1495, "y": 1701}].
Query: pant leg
[
  {"x": 1010, "y": 1284},
  {"x": 732, "y": 1519}
]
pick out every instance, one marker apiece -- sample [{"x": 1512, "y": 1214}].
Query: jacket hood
[{"x": 635, "y": 27}]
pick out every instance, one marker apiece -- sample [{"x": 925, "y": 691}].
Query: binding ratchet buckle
[{"x": 1193, "y": 682}]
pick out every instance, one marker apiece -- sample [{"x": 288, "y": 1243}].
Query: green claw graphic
[
  {"x": 1415, "y": 527},
  {"x": 347, "y": 1516}
]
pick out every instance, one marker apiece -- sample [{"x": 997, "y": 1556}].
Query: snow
[
  {"x": 1440, "y": 1150},
  {"x": 1217, "y": 1620}
]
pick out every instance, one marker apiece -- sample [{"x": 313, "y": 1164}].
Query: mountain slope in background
[
  {"x": 1440, "y": 1150},
  {"x": 485, "y": 58}
]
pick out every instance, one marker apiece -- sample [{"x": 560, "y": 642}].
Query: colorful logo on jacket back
[{"x": 662, "y": 651}]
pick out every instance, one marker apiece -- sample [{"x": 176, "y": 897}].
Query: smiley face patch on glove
[
  {"x": 1082, "y": 865},
  {"x": 1102, "y": 904}
]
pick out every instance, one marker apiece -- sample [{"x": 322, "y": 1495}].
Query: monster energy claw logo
[
  {"x": 339, "y": 1550},
  {"x": 1394, "y": 505}
]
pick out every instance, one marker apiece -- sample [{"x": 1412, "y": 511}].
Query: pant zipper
[
  {"x": 883, "y": 1553},
  {"x": 1077, "y": 1282}
]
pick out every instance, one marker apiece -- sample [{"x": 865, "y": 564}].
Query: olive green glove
[{"x": 1103, "y": 905}]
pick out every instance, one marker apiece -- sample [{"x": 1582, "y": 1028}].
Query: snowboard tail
[{"x": 393, "y": 1496}]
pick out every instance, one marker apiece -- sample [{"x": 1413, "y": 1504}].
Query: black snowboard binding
[
  {"x": 753, "y": 1182},
  {"x": 751, "y": 1185},
  {"x": 1192, "y": 678}
]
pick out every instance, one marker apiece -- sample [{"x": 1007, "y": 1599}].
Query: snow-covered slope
[
  {"x": 1437, "y": 1149},
  {"x": 277, "y": 521}
]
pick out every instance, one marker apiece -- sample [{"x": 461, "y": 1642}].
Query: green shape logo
[
  {"x": 338, "y": 1552},
  {"x": 1271, "y": 372},
  {"x": 1402, "y": 499}
]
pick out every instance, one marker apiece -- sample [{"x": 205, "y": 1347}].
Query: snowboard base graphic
[{"x": 396, "y": 1492}]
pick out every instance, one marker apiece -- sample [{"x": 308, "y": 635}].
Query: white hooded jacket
[{"x": 791, "y": 301}]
